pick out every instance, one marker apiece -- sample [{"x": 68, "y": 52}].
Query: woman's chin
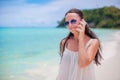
[{"x": 73, "y": 30}]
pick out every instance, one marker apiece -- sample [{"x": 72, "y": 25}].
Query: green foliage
[
  {"x": 61, "y": 24},
  {"x": 106, "y": 17}
]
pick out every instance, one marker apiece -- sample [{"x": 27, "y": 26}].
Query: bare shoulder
[
  {"x": 63, "y": 41},
  {"x": 95, "y": 42},
  {"x": 62, "y": 45}
]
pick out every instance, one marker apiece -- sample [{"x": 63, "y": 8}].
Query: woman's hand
[{"x": 81, "y": 28}]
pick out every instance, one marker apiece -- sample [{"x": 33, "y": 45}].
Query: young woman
[{"x": 80, "y": 50}]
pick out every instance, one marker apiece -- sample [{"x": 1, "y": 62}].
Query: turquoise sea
[{"x": 26, "y": 49}]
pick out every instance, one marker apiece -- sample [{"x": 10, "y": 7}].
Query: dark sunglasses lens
[
  {"x": 73, "y": 21},
  {"x": 66, "y": 23}
]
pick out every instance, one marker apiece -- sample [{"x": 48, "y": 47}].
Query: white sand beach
[{"x": 110, "y": 68}]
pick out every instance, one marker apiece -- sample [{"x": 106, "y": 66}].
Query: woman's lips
[{"x": 72, "y": 28}]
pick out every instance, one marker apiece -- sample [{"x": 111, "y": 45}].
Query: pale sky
[{"x": 43, "y": 13}]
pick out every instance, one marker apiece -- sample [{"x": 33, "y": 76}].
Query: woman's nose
[{"x": 69, "y": 25}]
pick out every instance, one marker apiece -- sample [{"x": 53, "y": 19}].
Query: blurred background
[{"x": 31, "y": 31}]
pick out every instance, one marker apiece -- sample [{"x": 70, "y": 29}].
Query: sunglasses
[{"x": 73, "y": 21}]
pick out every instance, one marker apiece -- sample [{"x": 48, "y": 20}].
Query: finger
[
  {"x": 80, "y": 26},
  {"x": 84, "y": 22},
  {"x": 78, "y": 29}
]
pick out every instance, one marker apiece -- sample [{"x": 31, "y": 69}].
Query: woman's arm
[{"x": 85, "y": 56}]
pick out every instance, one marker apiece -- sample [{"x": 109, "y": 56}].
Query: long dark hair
[{"x": 88, "y": 32}]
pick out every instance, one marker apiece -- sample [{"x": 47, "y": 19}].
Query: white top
[{"x": 69, "y": 69}]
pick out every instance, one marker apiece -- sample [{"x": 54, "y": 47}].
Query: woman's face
[{"x": 71, "y": 21}]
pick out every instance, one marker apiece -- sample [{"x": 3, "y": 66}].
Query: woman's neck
[{"x": 75, "y": 37}]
